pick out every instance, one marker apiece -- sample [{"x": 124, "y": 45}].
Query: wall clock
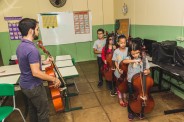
[
  {"x": 125, "y": 9},
  {"x": 58, "y": 3}
]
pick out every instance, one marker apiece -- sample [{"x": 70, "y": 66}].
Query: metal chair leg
[
  {"x": 76, "y": 86},
  {"x": 20, "y": 114}
]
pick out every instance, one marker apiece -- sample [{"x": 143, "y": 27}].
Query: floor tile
[
  {"x": 82, "y": 87},
  {"x": 85, "y": 100},
  {"x": 59, "y": 117},
  {"x": 96, "y": 88},
  {"x": 167, "y": 118},
  {"x": 105, "y": 98},
  {"x": 92, "y": 77},
  {"x": 116, "y": 113},
  {"x": 90, "y": 115}
]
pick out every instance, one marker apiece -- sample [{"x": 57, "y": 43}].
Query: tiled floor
[{"x": 99, "y": 106}]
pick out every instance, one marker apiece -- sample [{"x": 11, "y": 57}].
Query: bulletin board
[
  {"x": 69, "y": 27},
  {"x": 122, "y": 26},
  {"x": 13, "y": 27}
]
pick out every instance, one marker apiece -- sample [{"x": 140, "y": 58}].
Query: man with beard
[{"x": 31, "y": 78}]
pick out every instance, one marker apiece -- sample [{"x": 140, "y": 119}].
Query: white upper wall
[
  {"x": 152, "y": 12},
  {"x": 102, "y": 10}
]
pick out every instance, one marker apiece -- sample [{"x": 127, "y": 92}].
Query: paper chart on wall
[
  {"x": 81, "y": 23},
  {"x": 49, "y": 21}
]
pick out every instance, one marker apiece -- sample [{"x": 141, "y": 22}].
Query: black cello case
[{"x": 162, "y": 52}]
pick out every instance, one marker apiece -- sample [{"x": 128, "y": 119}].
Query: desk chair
[{"x": 5, "y": 111}]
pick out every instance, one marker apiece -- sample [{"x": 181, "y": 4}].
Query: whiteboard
[{"x": 65, "y": 32}]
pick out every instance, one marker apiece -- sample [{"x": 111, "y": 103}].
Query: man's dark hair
[
  {"x": 26, "y": 24},
  {"x": 102, "y": 30}
]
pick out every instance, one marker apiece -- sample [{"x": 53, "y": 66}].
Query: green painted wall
[
  {"x": 8, "y": 47},
  {"x": 80, "y": 51},
  {"x": 156, "y": 32}
]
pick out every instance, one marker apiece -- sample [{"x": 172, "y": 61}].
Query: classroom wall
[
  {"x": 159, "y": 19},
  {"x": 102, "y": 17},
  {"x": 154, "y": 19}
]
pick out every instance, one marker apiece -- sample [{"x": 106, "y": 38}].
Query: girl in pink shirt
[{"x": 107, "y": 53}]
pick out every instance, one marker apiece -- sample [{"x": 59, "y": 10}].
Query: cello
[
  {"x": 108, "y": 69},
  {"x": 142, "y": 102},
  {"x": 122, "y": 82},
  {"x": 55, "y": 92},
  {"x": 108, "y": 72}
]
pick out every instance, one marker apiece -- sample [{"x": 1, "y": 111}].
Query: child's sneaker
[
  {"x": 130, "y": 116},
  {"x": 112, "y": 93},
  {"x": 140, "y": 115},
  {"x": 100, "y": 83}
]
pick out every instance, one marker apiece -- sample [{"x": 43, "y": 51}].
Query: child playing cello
[
  {"x": 107, "y": 53},
  {"x": 119, "y": 55},
  {"x": 134, "y": 67}
]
